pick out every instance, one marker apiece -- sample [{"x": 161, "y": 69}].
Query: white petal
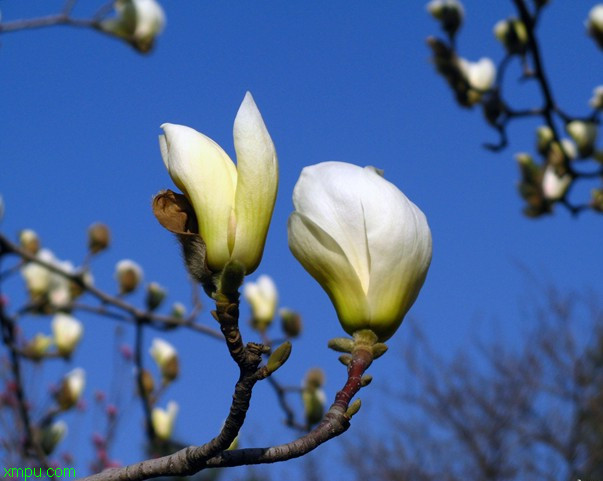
[
  {"x": 207, "y": 176},
  {"x": 324, "y": 259},
  {"x": 257, "y": 183},
  {"x": 327, "y": 194}
]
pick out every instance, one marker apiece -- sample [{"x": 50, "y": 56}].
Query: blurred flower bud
[
  {"x": 99, "y": 237},
  {"x": 155, "y": 296},
  {"x": 449, "y": 12},
  {"x": 596, "y": 101},
  {"x": 178, "y": 310},
  {"x": 544, "y": 136},
  {"x": 148, "y": 383},
  {"x": 38, "y": 346},
  {"x": 479, "y": 76},
  {"x": 554, "y": 186},
  {"x": 166, "y": 357},
  {"x": 530, "y": 186},
  {"x": 67, "y": 332},
  {"x": 584, "y": 134},
  {"x": 291, "y": 322},
  {"x": 129, "y": 275},
  {"x": 594, "y": 24},
  {"x": 163, "y": 420},
  {"x": 596, "y": 201},
  {"x": 263, "y": 298},
  {"x": 559, "y": 151},
  {"x": 52, "y": 435},
  {"x": 314, "y": 401},
  {"x": 37, "y": 279},
  {"x": 138, "y": 22},
  {"x": 71, "y": 388},
  {"x": 314, "y": 378},
  {"x": 512, "y": 33},
  {"x": 29, "y": 241}
]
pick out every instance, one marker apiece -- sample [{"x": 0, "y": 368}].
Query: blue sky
[{"x": 335, "y": 80}]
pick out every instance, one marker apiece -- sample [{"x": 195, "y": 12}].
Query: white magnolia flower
[
  {"x": 360, "y": 237},
  {"x": 163, "y": 420},
  {"x": 166, "y": 357},
  {"x": 596, "y": 101},
  {"x": 263, "y": 298},
  {"x": 595, "y": 18},
  {"x": 137, "y": 21},
  {"x": 128, "y": 274},
  {"x": 75, "y": 381},
  {"x": 67, "y": 332},
  {"x": 233, "y": 205},
  {"x": 37, "y": 277},
  {"x": 52, "y": 435},
  {"x": 584, "y": 135},
  {"x": 449, "y": 12},
  {"x": 553, "y": 186},
  {"x": 480, "y": 75}
]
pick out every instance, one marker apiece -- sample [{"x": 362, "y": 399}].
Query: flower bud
[
  {"x": 38, "y": 346},
  {"x": 137, "y": 21},
  {"x": 29, "y": 241},
  {"x": 596, "y": 201},
  {"x": 129, "y": 275},
  {"x": 232, "y": 205},
  {"x": 314, "y": 378},
  {"x": 99, "y": 237},
  {"x": 291, "y": 322},
  {"x": 67, "y": 332},
  {"x": 559, "y": 152},
  {"x": 479, "y": 76},
  {"x": 596, "y": 101},
  {"x": 584, "y": 134},
  {"x": 52, "y": 435},
  {"x": 554, "y": 186},
  {"x": 148, "y": 383},
  {"x": 166, "y": 357},
  {"x": 278, "y": 357},
  {"x": 544, "y": 137},
  {"x": 263, "y": 298},
  {"x": 178, "y": 310},
  {"x": 163, "y": 420},
  {"x": 449, "y": 12},
  {"x": 155, "y": 296},
  {"x": 366, "y": 244},
  {"x": 71, "y": 388},
  {"x": 512, "y": 33},
  {"x": 314, "y": 401},
  {"x": 594, "y": 24}
]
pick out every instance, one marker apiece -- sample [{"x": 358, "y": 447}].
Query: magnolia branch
[
  {"x": 196, "y": 458},
  {"x": 155, "y": 320}
]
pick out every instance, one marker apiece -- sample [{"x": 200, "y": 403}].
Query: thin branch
[
  {"x": 142, "y": 392},
  {"x": 6, "y": 246}
]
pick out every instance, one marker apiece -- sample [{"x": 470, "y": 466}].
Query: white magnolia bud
[
  {"x": 263, "y": 299},
  {"x": 166, "y": 357},
  {"x": 449, "y": 12},
  {"x": 129, "y": 275},
  {"x": 233, "y": 205},
  {"x": 67, "y": 332},
  {"x": 361, "y": 238},
  {"x": 584, "y": 135},
  {"x": 163, "y": 420},
  {"x": 596, "y": 101},
  {"x": 594, "y": 24},
  {"x": 29, "y": 240},
  {"x": 480, "y": 75},
  {"x": 553, "y": 186},
  {"x": 137, "y": 21}
]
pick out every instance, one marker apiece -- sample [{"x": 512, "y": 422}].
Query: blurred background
[{"x": 338, "y": 80}]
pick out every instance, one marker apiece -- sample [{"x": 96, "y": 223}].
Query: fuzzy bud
[
  {"x": 129, "y": 275},
  {"x": 99, "y": 238},
  {"x": 29, "y": 241},
  {"x": 155, "y": 296}
]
